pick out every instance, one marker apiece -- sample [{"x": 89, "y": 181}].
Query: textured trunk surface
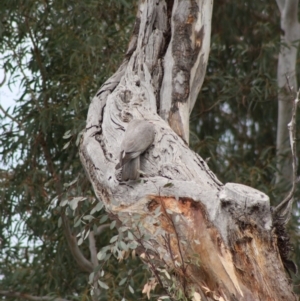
[
  {"x": 287, "y": 83},
  {"x": 216, "y": 240}
]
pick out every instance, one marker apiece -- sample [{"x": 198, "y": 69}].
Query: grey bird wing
[
  {"x": 126, "y": 157},
  {"x": 130, "y": 170},
  {"x": 138, "y": 137}
]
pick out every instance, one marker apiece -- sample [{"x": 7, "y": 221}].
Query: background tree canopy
[{"x": 61, "y": 52}]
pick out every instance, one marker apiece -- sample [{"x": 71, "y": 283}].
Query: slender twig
[
  {"x": 19, "y": 62},
  {"x": 51, "y": 165},
  {"x": 167, "y": 240},
  {"x": 11, "y": 117},
  {"x": 287, "y": 78},
  {"x": 177, "y": 236},
  {"x": 38, "y": 59},
  {"x": 4, "y": 79},
  {"x": 292, "y": 133},
  {"x": 29, "y": 297},
  {"x": 95, "y": 262},
  {"x": 152, "y": 266},
  {"x": 183, "y": 269},
  {"x": 207, "y": 110}
]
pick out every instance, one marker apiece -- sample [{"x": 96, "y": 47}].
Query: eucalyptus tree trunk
[
  {"x": 287, "y": 83},
  {"x": 215, "y": 241}
]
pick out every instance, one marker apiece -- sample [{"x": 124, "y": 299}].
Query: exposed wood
[
  {"x": 218, "y": 241},
  {"x": 185, "y": 62}
]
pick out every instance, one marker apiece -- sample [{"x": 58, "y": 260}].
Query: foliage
[
  {"x": 61, "y": 52},
  {"x": 234, "y": 122},
  {"x": 240, "y": 89}
]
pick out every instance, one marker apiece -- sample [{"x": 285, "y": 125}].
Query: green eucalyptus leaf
[
  {"x": 112, "y": 224},
  {"x": 103, "y": 285},
  {"x": 131, "y": 289},
  {"x": 123, "y": 281},
  {"x": 114, "y": 239}
]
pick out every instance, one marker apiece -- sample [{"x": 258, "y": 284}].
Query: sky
[
  {"x": 7, "y": 97},
  {"x": 7, "y": 100}
]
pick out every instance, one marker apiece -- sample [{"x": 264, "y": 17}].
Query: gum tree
[
  {"x": 198, "y": 237},
  {"x": 218, "y": 242}
]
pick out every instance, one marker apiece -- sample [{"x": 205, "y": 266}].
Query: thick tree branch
[
  {"x": 101, "y": 228},
  {"x": 12, "y": 294},
  {"x": 93, "y": 249},
  {"x": 280, "y": 4},
  {"x": 84, "y": 264},
  {"x": 284, "y": 208},
  {"x": 287, "y": 84},
  {"x": 185, "y": 62}
]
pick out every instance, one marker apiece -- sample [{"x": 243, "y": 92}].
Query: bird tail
[{"x": 130, "y": 170}]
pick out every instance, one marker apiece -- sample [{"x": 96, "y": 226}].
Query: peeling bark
[
  {"x": 185, "y": 62},
  {"x": 217, "y": 240}
]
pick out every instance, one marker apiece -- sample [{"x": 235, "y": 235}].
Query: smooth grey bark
[
  {"x": 287, "y": 84},
  {"x": 217, "y": 239}
]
